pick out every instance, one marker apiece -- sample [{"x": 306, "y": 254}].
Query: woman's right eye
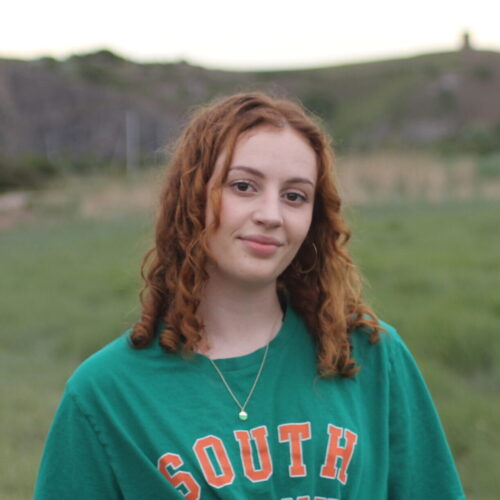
[{"x": 241, "y": 186}]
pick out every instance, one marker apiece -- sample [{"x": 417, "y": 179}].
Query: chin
[{"x": 255, "y": 276}]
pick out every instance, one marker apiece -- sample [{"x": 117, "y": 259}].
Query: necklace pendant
[{"x": 243, "y": 415}]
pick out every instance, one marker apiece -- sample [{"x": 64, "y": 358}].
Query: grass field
[{"x": 69, "y": 286}]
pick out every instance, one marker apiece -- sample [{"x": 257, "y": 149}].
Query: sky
[{"x": 239, "y": 35}]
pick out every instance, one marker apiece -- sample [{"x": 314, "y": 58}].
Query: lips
[
  {"x": 263, "y": 240},
  {"x": 261, "y": 246}
]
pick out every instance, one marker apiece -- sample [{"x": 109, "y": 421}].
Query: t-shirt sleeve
[
  {"x": 421, "y": 464},
  {"x": 74, "y": 463}
]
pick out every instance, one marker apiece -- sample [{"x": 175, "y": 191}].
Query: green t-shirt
[{"x": 145, "y": 424}]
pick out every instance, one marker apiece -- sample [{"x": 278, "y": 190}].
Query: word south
[{"x": 256, "y": 460}]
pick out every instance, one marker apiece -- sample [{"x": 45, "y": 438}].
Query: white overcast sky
[{"x": 256, "y": 34}]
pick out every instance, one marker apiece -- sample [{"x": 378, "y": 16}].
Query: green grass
[
  {"x": 434, "y": 273},
  {"x": 69, "y": 287}
]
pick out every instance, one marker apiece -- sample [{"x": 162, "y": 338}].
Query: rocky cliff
[{"x": 82, "y": 109}]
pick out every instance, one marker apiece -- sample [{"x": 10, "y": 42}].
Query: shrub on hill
[
  {"x": 476, "y": 139},
  {"x": 29, "y": 173}
]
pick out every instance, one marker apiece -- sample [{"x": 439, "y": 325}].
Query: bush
[
  {"x": 483, "y": 72},
  {"x": 488, "y": 166},
  {"x": 478, "y": 139},
  {"x": 25, "y": 173}
]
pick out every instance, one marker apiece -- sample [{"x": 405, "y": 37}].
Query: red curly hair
[{"x": 321, "y": 283}]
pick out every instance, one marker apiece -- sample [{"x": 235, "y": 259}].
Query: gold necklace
[{"x": 243, "y": 415}]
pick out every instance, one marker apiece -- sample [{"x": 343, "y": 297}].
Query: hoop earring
[{"x": 307, "y": 271}]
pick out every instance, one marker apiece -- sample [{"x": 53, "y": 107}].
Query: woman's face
[{"x": 266, "y": 206}]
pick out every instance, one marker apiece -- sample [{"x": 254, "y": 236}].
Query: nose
[{"x": 268, "y": 211}]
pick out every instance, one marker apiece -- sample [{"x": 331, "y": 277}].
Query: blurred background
[{"x": 90, "y": 97}]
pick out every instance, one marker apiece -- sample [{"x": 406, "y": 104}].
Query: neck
[{"x": 238, "y": 320}]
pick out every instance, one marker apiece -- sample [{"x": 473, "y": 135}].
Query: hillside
[{"x": 75, "y": 111}]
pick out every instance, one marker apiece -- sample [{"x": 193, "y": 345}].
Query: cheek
[
  {"x": 232, "y": 213},
  {"x": 302, "y": 227},
  {"x": 219, "y": 238}
]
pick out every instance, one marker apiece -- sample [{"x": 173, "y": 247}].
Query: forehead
[
  {"x": 272, "y": 150},
  {"x": 281, "y": 149}
]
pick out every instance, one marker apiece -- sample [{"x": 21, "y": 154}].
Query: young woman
[{"x": 255, "y": 370}]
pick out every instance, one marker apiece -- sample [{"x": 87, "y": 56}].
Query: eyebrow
[{"x": 260, "y": 174}]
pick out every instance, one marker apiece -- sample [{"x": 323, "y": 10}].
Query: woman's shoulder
[
  {"x": 115, "y": 362},
  {"x": 388, "y": 349},
  {"x": 103, "y": 361}
]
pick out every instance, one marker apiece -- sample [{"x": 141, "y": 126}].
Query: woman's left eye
[{"x": 294, "y": 197}]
